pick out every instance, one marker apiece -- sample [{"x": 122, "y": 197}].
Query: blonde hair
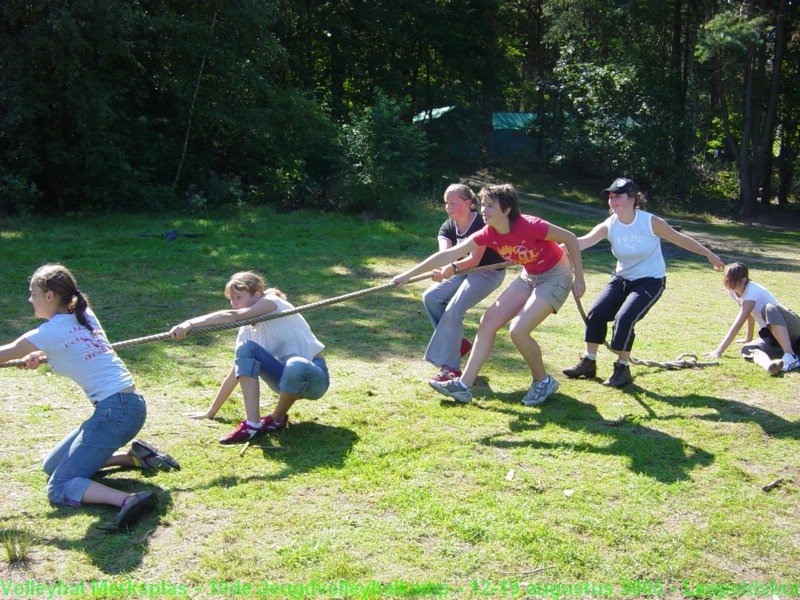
[
  {"x": 465, "y": 193},
  {"x": 250, "y": 282}
]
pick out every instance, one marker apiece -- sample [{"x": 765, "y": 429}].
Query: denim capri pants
[
  {"x": 293, "y": 374},
  {"x": 70, "y": 465}
]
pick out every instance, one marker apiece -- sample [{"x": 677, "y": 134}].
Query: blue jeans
[
  {"x": 446, "y": 303},
  {"x": 305, "y": 378},
  {"x": 70, "y": 465},
  {"x": 626, "y": 303}
]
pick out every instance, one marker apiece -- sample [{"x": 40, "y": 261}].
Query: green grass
[{"x": 381, "y": 479}]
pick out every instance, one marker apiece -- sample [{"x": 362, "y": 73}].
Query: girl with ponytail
[{"x": 74, "y": 343}]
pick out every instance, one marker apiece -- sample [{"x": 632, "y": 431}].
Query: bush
[{"x": 385, "y": 156}]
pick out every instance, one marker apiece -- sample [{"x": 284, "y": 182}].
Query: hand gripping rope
[{"x": 234, "y": 324}]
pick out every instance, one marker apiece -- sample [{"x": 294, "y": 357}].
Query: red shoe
[
  {"x": 446, "y": 374},
  {"x": 466, "y": 346},
  {"x": 270, "y": 424},
  {"x": 241, "y": 434}
]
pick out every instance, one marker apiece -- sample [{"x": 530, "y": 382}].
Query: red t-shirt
[{"x": 524, "y": 244}]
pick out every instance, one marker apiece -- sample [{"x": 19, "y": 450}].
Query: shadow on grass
[
  {"x": 111, "y": 550},
  {"x": 652, "y": 453},
  {"x": 304, "y": 447},
  {"x": 726, "y": 411}
]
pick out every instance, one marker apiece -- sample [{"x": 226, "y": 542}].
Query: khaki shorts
[{"x": 553, "y": 286}]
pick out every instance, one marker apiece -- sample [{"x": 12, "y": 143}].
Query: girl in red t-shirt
[{"x": 539, "y": 291}]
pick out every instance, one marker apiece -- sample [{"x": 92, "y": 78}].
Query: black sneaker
[
  {"x": 134, "y": 507},
  {"x": 621, "y": 376},
  {"x": 586, "y": 367},
  {"x": 149, "y": 457}
]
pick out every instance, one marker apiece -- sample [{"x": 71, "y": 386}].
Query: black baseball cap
[{"x": 621, "y": 185}]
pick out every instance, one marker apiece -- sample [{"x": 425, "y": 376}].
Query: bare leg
[
  {"x": 97, "y": 493},
  {"x": 285, "y": 402},
  {"x": 781, "y": 335},
  {"x": 496, "y": 316},
  {"x": 251, "y": 391},
  {"x": 120, "y": 459},
  {"x": 535, "y": 311}
]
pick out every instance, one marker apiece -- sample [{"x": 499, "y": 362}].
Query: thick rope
[
  {"x": 683, "y": 361},
  {"x": 275, "y": 315}
]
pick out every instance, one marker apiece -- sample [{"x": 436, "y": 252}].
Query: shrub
[{"x": 385, "y": 155}]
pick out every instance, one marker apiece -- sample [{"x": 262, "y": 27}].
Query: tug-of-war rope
[
  {"x": 683, "y": 361},
  {"x": 687, "y": 360}
]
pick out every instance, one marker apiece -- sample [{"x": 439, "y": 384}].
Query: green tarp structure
[{"x": 448, "y": 125}]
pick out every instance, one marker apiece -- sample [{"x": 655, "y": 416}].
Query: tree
[{"x": 744, "y": 47}]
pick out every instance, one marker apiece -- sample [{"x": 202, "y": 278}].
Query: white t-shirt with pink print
[{"x": 85, "y": 357}]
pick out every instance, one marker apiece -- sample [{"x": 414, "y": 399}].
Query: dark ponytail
[{"x": 59, "y": 280}]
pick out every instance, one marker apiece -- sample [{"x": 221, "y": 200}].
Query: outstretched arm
[
  {"x": 19, "y": 348},
  {"x": 599, "y": 232},
  {"x": 663, "y": 230},
  {"x": 259, "y": 308},
  {"x": 441, "y": 258},
  {"x": 225, "y": 390},
  {"x": 744, "y": 315}
]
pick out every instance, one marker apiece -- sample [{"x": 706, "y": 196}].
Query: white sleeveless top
[
  {"x": 636, "y": 248},
  {"x": 283, "y": 337}
]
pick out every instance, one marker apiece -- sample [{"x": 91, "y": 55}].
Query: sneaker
[
  {"x": 270, "y": 424},
  {"x": 134, "y": 507},
  {"x": 790, "y": 362},
  {"x": 147, "y": 457},
  {"x": 453, "y": 389},
  {"x": 620, "y": 377},
  {"x": 242, "y": 433},
  {"x": 446, "y": 374},
  {"x": 539, "y": 391},
  {"x": 466, "y": 346},
  {"x": 775, "y": 367},
  {"x": 586, "y": 367}
]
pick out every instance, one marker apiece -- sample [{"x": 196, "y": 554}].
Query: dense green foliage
[{"x": 110, "y": 104}]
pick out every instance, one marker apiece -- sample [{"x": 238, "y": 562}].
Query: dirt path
[{"x": 729, "y": 248}]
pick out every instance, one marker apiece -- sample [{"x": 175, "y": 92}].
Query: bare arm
[
  {"x": 261, "y": 307},
  {"x": 745, "y": 313},
  {"x": 751, "y": 330},
  {"x": 441, "y": 258},
  {"x": 663, "y": 230},
  {"x": 225, "y": 390},
  {"x": 19, "y": 348},
  {"x": 563, "y": 236},
  {"x": 599, "y": 232}
]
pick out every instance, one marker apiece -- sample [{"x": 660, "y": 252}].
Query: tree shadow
[
  {"x": 727, "y": 411},
  {"x": 651, "y": 452},
  {"x": 113, "y": 551}
]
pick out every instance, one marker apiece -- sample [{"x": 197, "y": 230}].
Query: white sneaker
[
  {"x": 539, "y": 391},
  {"x": 790, "y": 362},
  {"x": 454, "y": 389}
]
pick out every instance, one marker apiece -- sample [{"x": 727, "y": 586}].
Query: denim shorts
[{"x": 70, "y": 465}]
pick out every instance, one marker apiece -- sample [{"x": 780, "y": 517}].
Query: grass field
[{"x": 654, "y": 490}]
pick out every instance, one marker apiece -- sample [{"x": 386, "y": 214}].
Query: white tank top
[{"x": 636, "y": 248}]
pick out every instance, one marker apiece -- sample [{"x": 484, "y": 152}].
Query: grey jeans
[{"x": 446, "y": 303}]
